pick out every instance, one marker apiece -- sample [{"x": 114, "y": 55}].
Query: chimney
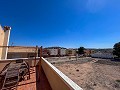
[{"x": 5, "y": 35}]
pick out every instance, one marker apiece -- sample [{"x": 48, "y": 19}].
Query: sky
[{"x": 65, "y": 23}]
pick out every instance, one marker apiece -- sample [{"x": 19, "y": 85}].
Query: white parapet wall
[{"x": 58, "y": 80}]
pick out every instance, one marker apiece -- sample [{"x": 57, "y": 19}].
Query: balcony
[{"x": 43, "y": 76}]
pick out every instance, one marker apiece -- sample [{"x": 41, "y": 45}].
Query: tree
[
  {"x": 81, "y": 50},
  {"x": 116, "y": 50}
]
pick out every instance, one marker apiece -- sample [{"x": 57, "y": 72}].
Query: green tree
[
  {"x": 81, "y": 50},
  {"x": 116, "y": 50}
]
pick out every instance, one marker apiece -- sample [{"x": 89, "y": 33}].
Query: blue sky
[{"x": 66, "y": 23}]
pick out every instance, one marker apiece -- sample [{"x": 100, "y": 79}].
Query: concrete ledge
[{"x": 57, "y": 79}]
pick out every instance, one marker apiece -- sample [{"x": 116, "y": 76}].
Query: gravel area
[{"x": 92, "y": 74}]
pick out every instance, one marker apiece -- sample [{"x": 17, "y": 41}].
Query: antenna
[{"x": 12, "y": 44}]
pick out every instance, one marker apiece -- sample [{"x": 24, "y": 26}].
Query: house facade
[
  {"x": 71, "y": 52},
  {"x": 88, "y": 52},
  {"x": 63, "y": 51},
  {"x": 54, "y": 51},
  {"x": 102, "y": 55}
]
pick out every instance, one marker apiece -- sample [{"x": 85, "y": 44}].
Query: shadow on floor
[{"x": 42, "y": 83}]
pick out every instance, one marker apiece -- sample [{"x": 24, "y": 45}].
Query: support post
[
  {"x": 36, "y": 49},
  {"x": 40, "y": 62}
]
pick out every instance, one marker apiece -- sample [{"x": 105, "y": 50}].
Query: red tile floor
[{"x": 34, "y": 83}]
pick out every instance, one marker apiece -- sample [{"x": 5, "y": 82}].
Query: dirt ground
[{"x": 92, "y": 74}]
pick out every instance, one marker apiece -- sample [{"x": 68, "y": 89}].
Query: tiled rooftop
[
  {"x": 34, "y": 83},
  {"x": 28, "y": 84}
]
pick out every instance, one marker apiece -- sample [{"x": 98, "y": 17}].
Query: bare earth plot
[{"x": 92, "y": 74}]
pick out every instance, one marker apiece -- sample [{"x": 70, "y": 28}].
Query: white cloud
[
  {"x": 89, "y": 5},
  {"x": 95, "y": 5}
]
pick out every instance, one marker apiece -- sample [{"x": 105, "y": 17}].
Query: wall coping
[
  {"x": 9, "y": 60},
  {"x": 67, "y": 80}
]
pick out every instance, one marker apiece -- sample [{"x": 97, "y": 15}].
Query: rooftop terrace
[{"x": 43, "y": 76}]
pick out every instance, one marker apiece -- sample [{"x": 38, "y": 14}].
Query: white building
[
  {"x": 62, "y": 51},
  {"x": 71, "y": 52},
  {"x": 102, "y": 55},
  {"x": 53, "y": 51},
  {"x": 56, "y": 51}
]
